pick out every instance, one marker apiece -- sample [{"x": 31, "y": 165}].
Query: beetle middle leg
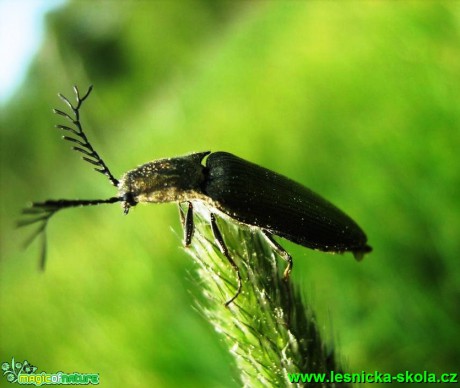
[
  {"x": 281, "y": 251},
  {"x": 224, "y": 250}
]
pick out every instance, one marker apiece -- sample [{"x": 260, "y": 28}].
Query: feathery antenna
[
  {"x": 41, "y": 212},
  {"x": 79, "y": 136}
]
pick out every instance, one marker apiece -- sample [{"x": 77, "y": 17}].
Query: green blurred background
[{"x": 358, "y": 101}]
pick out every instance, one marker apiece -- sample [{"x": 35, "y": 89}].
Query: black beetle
[{"x": 227, "y": 184}]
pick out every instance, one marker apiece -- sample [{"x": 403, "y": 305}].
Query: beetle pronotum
[{"x": 250, "y": 194}]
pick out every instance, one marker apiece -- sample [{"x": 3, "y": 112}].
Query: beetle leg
[
  {"x": 281, "y": 251},
  {"x": 224, "y": 250},
  {"x": 187, "y": 223}
]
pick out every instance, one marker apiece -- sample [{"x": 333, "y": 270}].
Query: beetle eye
[
  {"x": 129, "y": 198},
  {"x": 128, "y": 201}
]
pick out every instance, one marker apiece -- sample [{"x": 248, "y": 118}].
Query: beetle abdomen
[{"x": 257, "y": 196}]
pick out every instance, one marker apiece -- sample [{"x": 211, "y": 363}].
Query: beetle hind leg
[
  {"x": 224, "y": 250},
  {"x": 281, "y": 251}
]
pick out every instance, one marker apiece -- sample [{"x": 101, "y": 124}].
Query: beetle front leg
[
  {"x": 281, "y": 251},
  {"x": 224, "y": 250},
  {"x": 187, "y": 223}
]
